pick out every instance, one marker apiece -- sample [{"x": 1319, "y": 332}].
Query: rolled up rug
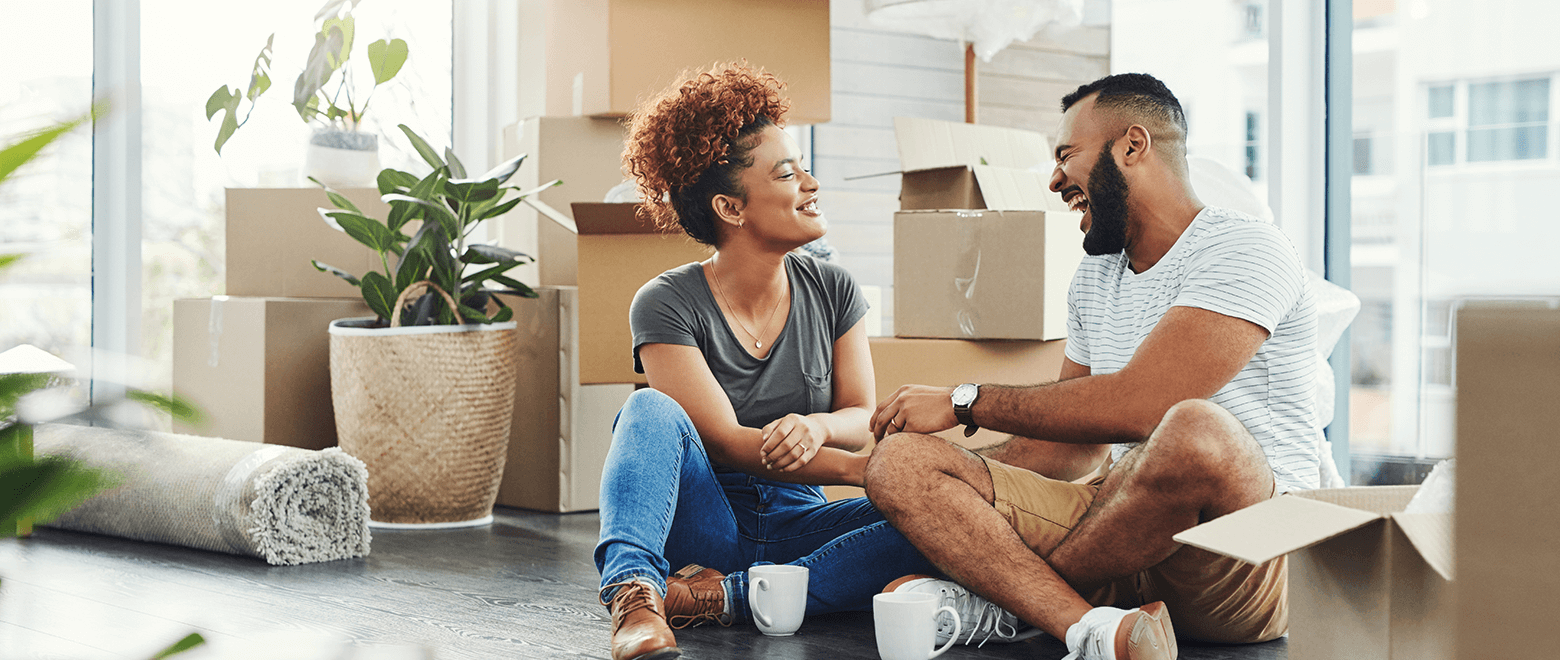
[{"x": 282, "y": 504}]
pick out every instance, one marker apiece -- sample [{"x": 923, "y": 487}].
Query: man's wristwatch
[{"x": 963, "y": 397}]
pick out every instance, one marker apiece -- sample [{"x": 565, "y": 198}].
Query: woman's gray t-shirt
[{"x": 678, "y": 307}]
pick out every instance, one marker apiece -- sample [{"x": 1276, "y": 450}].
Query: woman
[{"x": 761, "y": 383}]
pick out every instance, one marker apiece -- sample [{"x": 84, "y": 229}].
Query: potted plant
[
  {"x": 338, "y": 153},
  {"x": 424, "y": 390}
]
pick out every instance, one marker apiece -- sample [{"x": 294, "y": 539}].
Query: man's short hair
[{"x": 1139, "y": 98}]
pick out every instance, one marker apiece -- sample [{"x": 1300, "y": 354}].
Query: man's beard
[{"x": 1107, "y": 206}]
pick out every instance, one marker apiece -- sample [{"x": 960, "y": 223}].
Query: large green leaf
[
  {"x": 427, "y": 152},
  {"x": 337, "y": 198},
  {"x": 7, "y": 259},
  {"x": 385, "y": 59},
  {"x": 367, "y": 231},
  {"x": 316, "y": 71},
  {"x": 41, "y": 490},
  {"x": 495, "y": 211},
  {"x": 440, "y": 213},
  {"x": 391, "y": 180},
  {"x": 467, "y": 192},
  {"x": 502, "y": 315},
  {"x": 260, "y": 75},
  {"x": 339, "y": 31},
  {"x": 516, "y": 287},
  {"x": 331, "y": 8},
  {"x": 457, "y": 170},
  {"x": 190, "y": 641},
  {"x": 14, "y": 387},
  {"x": 492, "y": 254},
  {"x": 379, "y": 293},
  {"x": 179, "y": 407},
  {"x": 327, "y": 268},
  {"x": 412, "y": 267},
  {"x": 217, "y": 101},
  {"x": 20, "y": 152},
  {"x": 504, "y": 170}
]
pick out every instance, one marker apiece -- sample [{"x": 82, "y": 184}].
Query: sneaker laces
[{"x": 977, "y": 614}]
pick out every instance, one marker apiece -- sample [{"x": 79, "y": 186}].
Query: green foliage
[
  {"x": 190, "y": 641},
  {"x": 448, "y": 207},
  {"x": 323, "y": 91}
]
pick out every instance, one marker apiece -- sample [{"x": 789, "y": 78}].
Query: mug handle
[
  {"x": 763, "y": 584},
  {"x": 957, "y": 628}
]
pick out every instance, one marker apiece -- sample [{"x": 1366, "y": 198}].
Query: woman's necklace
[{"x": 757, "y": 342}]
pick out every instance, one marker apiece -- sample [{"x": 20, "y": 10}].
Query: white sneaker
[
  {"x": 981, "y": 618},
  {"x": 1107, "y": 633}
]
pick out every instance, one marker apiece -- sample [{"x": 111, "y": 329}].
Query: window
[
  {"x": 1362, "y": 163},
  {"x": 1508, "y": 120},
  {"x": 1253, "y": 141}
]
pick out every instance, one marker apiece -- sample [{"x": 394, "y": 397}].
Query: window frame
[{"x": 1458, "y": 125}]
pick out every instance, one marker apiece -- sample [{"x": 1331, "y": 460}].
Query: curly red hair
[{"x": 690, "y": 142}]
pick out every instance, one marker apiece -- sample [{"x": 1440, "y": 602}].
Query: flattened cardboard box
[
  {"x": 984, "y": 274},
  {"x": 604, "y": 56},
  {"x": 273, "y": 233},
  {"x": 616, "y": 253},
  {"x": 949, "y": 165},
  {"x": 1366, "y": 581},
  {"x": 899, "y": 361},
  {"x": 586, "y": 154},
  {"x": 1508, "y": 500},
  {"x": 259, "y": 368},
  {"x": 562, "y": 429}
]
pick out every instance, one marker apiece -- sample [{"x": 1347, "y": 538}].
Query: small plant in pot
[
  {"x": 424, "y": 391},
  {"x": 339, "y": 152}
]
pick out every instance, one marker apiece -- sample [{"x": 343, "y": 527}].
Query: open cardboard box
[
  {"x": 616, "y": 253},
  {"x": 949, "y": 165},
  {"x": 586, "y": 154},
  {"x": 1366, "y": 581},
  {"x": 604, "y": 56}
]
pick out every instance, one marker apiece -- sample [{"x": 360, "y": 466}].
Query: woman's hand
[{"x": 791, "y": 441}]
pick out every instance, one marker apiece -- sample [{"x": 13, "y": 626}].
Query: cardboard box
[
  {"x": 1366, "y": 581},
  {"x": 587, "y": 155},
  {"x": 259, "y": 368},
  {"x": 615, "y": 253},
  {"x": 984, "y": 274},
  {"x": 948, "y": 165},
  {"x": 946, "y": 362},
  {"x": 603, "y": 56},
  {"x": 1508, "y": 504},
  {"x": 562, "y": 429},
  {"x": 273, "y": 233}
]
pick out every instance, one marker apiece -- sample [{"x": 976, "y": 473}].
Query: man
[{"x": 1188, "y": 363}]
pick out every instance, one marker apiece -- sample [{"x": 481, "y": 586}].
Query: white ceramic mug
[
  {"x": 906, "y": 624},
  {"x": 778, "y": 597}
]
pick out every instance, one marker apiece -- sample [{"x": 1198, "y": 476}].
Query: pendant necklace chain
[{"x": 757, "y": 342}]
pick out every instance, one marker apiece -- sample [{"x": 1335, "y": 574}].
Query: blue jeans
[{"x": 664, "y": 506}]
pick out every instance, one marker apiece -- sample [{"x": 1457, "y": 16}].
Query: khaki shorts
[{"x": 1217, "y": 599}]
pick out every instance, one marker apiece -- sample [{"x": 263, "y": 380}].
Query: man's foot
[
  {"x": 695, "y": 595},
  {"x": 1107, "y": 633},
  {"x": 639, "y": 629},
  {"x": 982, "y": 620}
]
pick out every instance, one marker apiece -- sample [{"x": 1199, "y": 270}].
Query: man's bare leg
[
  {"x": 940, "y": 497},
  {"x": 1199, "y": 464}
]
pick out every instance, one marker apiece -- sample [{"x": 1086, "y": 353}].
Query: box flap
[
  {"x": 1431, "y": 534},
  {"x": 605, "y": 218},
  {"x": 928, "y": 144},
  {"x": 1274, "y": 528},
  {"x": 1375, "y": 499},
  {"x": 551, "y": 213},
  {"x": 1010, "y": 189}
]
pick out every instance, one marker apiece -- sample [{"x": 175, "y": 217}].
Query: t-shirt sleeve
[
  {"x": 1250, "y": 272},
  {"x": 849, "y": 304},
  {"x": 1077, "y": 348},
  {"x": 659, "y": 315}
]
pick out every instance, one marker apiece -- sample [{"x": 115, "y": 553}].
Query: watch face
[{"x": 964, "y": 395}]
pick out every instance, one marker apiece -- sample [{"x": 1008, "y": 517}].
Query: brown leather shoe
[
  {"x": 695, "y": 595},
  {"x": 639, "y": 629}
]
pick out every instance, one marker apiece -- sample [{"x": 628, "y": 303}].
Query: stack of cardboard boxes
[{"x": 983, "y": 254}]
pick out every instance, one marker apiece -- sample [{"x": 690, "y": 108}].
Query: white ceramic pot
[{"x": 342, "y": 158}]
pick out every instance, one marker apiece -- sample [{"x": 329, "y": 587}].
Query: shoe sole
[{"x": 1149, "y": 637}]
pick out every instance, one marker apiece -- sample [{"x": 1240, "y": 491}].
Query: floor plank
[{"x": 523, "y": 587}]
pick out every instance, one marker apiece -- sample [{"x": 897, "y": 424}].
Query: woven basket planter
[{"x": 428, "y": 409}]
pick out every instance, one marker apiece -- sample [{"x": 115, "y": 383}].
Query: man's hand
[
  {"x": 791, "y": 441},
  {"x": 915, "y": 408}
]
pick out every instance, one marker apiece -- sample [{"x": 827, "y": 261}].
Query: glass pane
[
  {"x": 1520, "y": 143},
  {"x": 1441, "y": 147},
  {"x": 184, "y": 177},
  {"x": 1441, "y": 101},
  {"x": 46, "y": 205},
  {"x": 1362, "y": 155},
  {"x": 1520, "y": 102}
]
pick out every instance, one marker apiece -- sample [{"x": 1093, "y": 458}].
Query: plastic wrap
[{"x": 989, "y": 24}]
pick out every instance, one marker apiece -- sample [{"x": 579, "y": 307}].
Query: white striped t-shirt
[{"x": 1233, "y": 264}]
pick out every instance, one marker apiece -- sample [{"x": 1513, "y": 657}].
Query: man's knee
[
  {"x": 905, "y": 461},
  {"x": 1201, "y": 435}
]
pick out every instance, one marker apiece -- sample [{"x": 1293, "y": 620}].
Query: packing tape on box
[
  {"x": 966, "y": 274},
  {"x": 214, "y": 331}
]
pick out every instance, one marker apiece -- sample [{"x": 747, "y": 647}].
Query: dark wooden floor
[{"x": 521, "y": 588}]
